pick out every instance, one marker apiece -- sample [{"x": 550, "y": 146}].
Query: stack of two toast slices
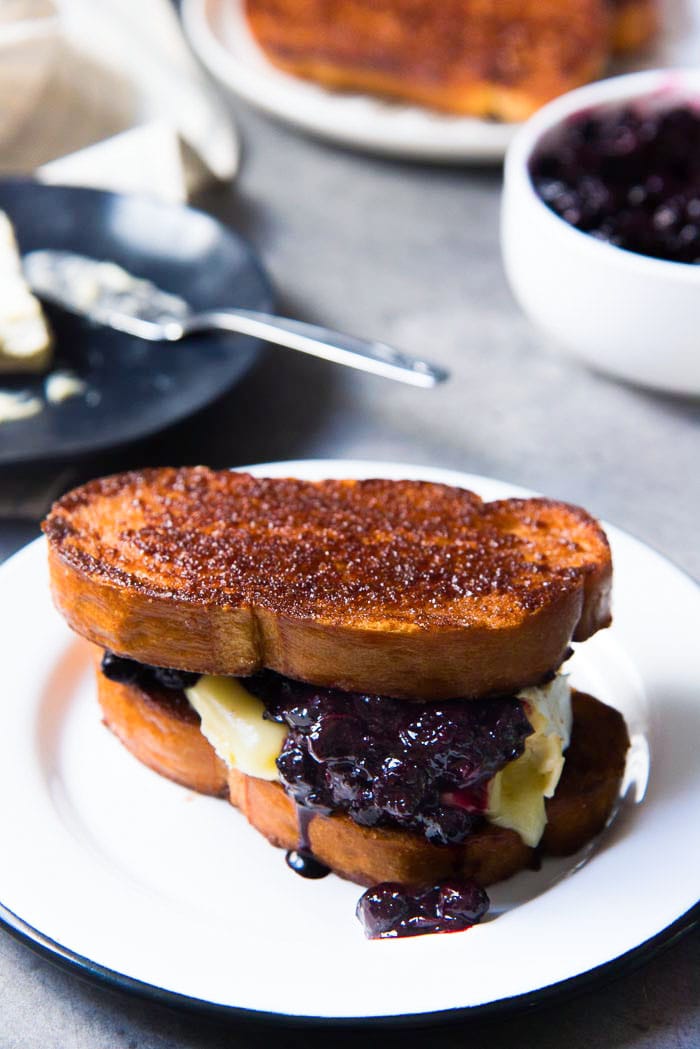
[{"x": 369, "y": 670}]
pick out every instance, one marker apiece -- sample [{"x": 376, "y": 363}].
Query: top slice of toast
[{"x": 401, "y": 588}]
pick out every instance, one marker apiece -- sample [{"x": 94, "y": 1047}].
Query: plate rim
[
  {"x": 92, "y": 971},
  {"x": 453, "y": 139},
  {"x": 257, "y": 345}
]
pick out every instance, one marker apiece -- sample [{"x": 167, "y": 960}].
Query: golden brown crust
[
  {"x": 162, "y": 730},
  {"x": 368, "y": 855},
  {"x": 400, "y": 588},
  {"x": 585, "y": 797},
  {"x": 635, "y": 24},
  {"x": 492, "y": 58}
]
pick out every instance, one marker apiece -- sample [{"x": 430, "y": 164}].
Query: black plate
[{"x": 134, "y": 387}]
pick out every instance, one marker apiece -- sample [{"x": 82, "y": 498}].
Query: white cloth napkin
[{"x": 106, "y": 93}]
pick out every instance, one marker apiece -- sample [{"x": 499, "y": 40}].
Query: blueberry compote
[
  {"x": 390, "y": 910},
  {"x": 628, "y": 176},
  {"x": 304, "y": 863},
  {"x": 421, "y": 767},
  {"x": 129, "y": 672}
]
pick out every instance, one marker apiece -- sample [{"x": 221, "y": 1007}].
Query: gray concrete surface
[{"x": 409, "y": 254}]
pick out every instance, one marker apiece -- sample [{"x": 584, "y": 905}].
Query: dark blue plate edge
[{"x": 91, "y": 971}]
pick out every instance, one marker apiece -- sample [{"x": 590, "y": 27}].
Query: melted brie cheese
[
  {"x": 517, "y": 793},
  {"x": 232, "y": 721}
]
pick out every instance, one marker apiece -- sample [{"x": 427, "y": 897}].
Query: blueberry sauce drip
[
  {"x": 302, "y": 860},
  {"x": 305, "y": 864},
  {"x": 391, "y": 910},
  {"x": 421, "y": 767},
  {"x": 129, "y": 672},
  {"x": 628, "y": 176},
  {"x": 304, "y": 818}
]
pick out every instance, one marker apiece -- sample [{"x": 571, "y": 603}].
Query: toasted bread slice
[
  {"x": 491, "y": 58},
  {"x": 584, "y": 799},
  {"x": 585, "y": 796},
  {"x": 398, "y": 588},
  {"x": 161, "y": 729},
  {"x": 635, "y": 23}
]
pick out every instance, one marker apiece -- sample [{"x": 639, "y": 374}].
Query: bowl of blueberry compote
[{"x": 601, "y": 226}]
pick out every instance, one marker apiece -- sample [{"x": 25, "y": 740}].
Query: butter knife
[{"x": 107, "y": 294}]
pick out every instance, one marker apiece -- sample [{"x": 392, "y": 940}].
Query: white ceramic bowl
[{"x": 633, "y": 316}]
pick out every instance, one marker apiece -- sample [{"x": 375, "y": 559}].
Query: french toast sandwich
[{"x": 371, "y": 671}]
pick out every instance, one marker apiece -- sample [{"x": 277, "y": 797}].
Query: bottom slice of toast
[{"x": 162, "y": 731}]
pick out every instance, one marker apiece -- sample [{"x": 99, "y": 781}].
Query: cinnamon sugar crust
[
  {"x": 409, "y": 552},
  {"x": 402, "y": 588},
  {"x": 493, "y": 58}
]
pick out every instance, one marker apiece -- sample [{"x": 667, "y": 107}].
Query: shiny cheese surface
[
  {"x": 232, "y": 721},
  {"x": 516, "y": 795}
]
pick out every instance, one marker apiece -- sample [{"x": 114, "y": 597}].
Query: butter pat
[
  {"x": 516, "y": 795},
  {"x": 61, "y": 385},
  {"x": 18, "y": 405},
  {"x": 25, "y": 340},
  {"x": 232, "y": 721}
]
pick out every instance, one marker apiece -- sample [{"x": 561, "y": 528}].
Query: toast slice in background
[
  {"x": 160, "y": 732},
  {"x": 635, "y": 23},
  {"x": 499, "y": 59},
  {"x": 397, "y": 588}
]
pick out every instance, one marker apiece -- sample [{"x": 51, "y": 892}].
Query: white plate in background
[
  {"x": 219, "y": 34},
  {"x": 125, "y": 876}
]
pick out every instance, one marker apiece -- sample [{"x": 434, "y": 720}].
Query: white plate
[
  {"x": 219, "y": 34},
  {"x": 130, "y": 877}
]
